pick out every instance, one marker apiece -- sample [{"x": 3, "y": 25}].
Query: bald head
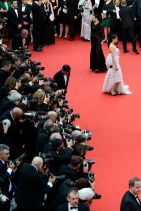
[
  {"x": 37, "y": 162},
  {"x": 53, "y": 116},
  {"x": 17, "y": 113}
]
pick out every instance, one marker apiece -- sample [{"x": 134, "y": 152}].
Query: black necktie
[{"x": 73, "y": 208}]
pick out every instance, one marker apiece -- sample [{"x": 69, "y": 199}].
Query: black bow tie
[{"x": 73, "y": 208}]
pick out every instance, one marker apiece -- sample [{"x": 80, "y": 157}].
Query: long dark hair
[{"x": 112, "y": 37}]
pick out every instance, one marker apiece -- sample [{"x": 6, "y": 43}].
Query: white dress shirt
[
  {"x": 117, "y": 12},
  {"x": 16, "y": 11},
  {"x": 69, "y": 208},
  {"x": 65, "y": 78}
]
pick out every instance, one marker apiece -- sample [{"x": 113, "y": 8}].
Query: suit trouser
[
  {"x": 130, "y": 32},
  {"x": 140, "y": 31},
  {"x": 115, "y": 29},
  {"x": 71, "y": 27}
]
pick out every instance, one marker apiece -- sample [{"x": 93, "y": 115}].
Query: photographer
[
  {"x": 6, "y": 175},
  {"x": 58, "y": 154},
  {"x": 43, "y": 136},
  {"x": 14, "y": 133},
  {"x": 62, "y": 77},
  {"x": 31, "y": 189},
  {"x": 4, "y": 72},
  {"x": 72, "y": 170},
  {"x": 22, "y": 40},
  {"x": 36, "y": 120},
  {"x": 12, "y": 100}
]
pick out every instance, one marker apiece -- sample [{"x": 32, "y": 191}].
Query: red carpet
[{"x": 113, "y": 120}]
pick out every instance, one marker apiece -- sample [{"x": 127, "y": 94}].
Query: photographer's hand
[
  {"x": 41, "y": 82},
  {"x": 5, "y": 128},
  {"x": 18, "y": 162},
  {"x": 86, "y": 168},
  {"x": 60, "y": 102},
  {"x": 52, "y": 179},
  {"x": 92, "y": 184},
  {"x": 3, "y": 198},
  {"x": 25, "y": 101},
  {"x": 47, "y": 99},
  {"x": 18, "y": 84},
  {"x": 70, "y": 143},
  {"x": 10, "y": 165}
]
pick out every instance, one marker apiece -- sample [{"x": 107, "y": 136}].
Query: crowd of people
[
  {"x": 42, "y": 152},
  {"x": 44, "y": 19}
]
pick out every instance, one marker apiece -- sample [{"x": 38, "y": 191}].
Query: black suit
[
  {"x": 138, "y": 11},
  {"x": 13, "y": 21},
  {"x": 71, "y": 12},
  {"x": 127, "y": 18},
  {"x": 129, "y": 203},
  {"x": 25, "y": 15},
  {"x": 59, "y": 79},
  {"x": 64, "y": 207},
  {"x": 14, "y": 136},
  {"x": 60, "y": 196},
  {"x": 30, "y": 189},
  {"x": 3, "y": 76},
  {"x": 114, "y": 23},
  {"x": 17, "y": 42},
  {"x": 6, "y": 180},
  {"x": 38, "y": 16}
]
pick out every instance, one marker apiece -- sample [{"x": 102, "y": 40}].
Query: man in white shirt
[
  {"x": 62, "y": 77},
  {"x": 73, "y": 202},
  {"x": 6, "y": 171},
  {"x": 130, "y": 200}
]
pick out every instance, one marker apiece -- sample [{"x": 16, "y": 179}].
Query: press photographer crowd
[{"x": 42, "y": 151}]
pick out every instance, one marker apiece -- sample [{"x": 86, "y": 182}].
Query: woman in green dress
[
  {"x": 105, "y": 19},
  {"x": 4, "y": 6}
]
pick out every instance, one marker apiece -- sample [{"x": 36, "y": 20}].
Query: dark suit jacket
[
  {"x": 14, "y": 136},
  {"x": 64, "y": 207},
  {"x": 5, "y": 178},
  {"x": 113, "y": 16},
  {"x": 127, "y": 17},
  {"x": 60, "y": 196},
  {"x": 13, "y": 21},
  {"x": 27, "y": 12},
  {"x": 129, "y": 203},
  {"x": 3, "y": 76},
  {"x": 30, "y": 189},
  {"x": 59, "y": 79},
  {"x": 17, "y": 42}
]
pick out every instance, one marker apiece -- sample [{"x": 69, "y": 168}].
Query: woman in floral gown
[{"x": 113, "y": 82}]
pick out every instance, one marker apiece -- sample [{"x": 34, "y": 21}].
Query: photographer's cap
[{"x": 86, "y": 194}]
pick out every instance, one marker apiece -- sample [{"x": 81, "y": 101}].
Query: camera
[
  {"x": 87, "y": 133},
  {"x": 60, "y": 177},
  {"x": 89, "y": 163},
  {"x": 37, "y": 116},
  {"x": 20, "y": 158},
  {"x": 91, "y": 177}
]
